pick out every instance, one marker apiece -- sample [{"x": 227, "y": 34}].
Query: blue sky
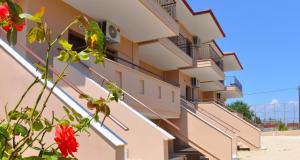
[{"x": 265, "y": 34}]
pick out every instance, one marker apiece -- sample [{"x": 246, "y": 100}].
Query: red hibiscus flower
[
  {"x": 4, "y": 12},
  {"x": 7, "y": 23},
  {"x": 65, "y": 139},
  {"x": 19, "y": 27}
]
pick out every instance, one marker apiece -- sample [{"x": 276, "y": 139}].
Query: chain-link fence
[{"x": 271, "y": 115}]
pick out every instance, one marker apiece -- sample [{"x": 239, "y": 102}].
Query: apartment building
[{"x": 173, "y": 73}]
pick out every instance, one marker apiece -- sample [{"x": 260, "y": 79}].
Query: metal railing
[
  {"x": 189, "y": 105},
  {"x": 118, "y": 59},
  {"x": 219, "y": 101},
  {"x": 233, "y": 81},
  {"x": 184, "y": 44},
  {"x": 41, "y": 61},
  {"x": 207, "y": 52},
  {"x": 169, "y": 6}
]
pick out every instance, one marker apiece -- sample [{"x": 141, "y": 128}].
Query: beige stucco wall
[
  {"x": 247, "y": 133},
  {"x": 152, "y": 69},
  {"x": 168, "y": 105},
  {"x": 211, "y": 142},
  {"x": 140, "y": 129},
  {"x": 126, "y": 49},
  {"x": 14, "y": 81},
  {"x": 184, "y": 80}
]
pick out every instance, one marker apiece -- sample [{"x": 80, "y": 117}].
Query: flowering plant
[{"x": 25, "y": 127}]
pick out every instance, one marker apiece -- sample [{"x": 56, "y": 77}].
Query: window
[
  {"x": 77, "y": 40},
  {"x": 119, "y": 78},
  {"x": 112, "y": 55},
  {"x": 159, "y": 92},
  {"x": 173, "y": 96},
  {"x": 142, "y": 87}
]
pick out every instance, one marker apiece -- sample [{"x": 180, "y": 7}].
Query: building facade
[{"x": 173, "y": 73}]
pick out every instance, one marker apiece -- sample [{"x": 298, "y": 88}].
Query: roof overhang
[
  {"x": 231, "y": 62},
  {"x": 139, "y": 20},
  {"x": 202, "y": 24},
  {"x": 204, "y": 70},
  {"x": 164, "y": 55}
]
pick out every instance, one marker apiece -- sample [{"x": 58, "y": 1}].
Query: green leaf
[
  {"x": 84, "y": 96},
  {"x": 20, "y": 130},
  {"x": 3, "y": 133},
  {"x": 64, "y": 122},
  {"x": 12, "y": 36},
  {"x": 83, "y": 56},
  {"x": 94, "y": 37},
  {"x": 48, "y": 125},
  {"x": 38, "y": 125},
  {"x": 30, "y": 17},
  {"x": 99, "y": 58},
  {"x": 71, "y": 118},
  {"x": 116, "y": 92},
  {"x": 33, "y": 158},
  {"x": 66, "y": 109},
  {"x": 50, "y": 156},
  {"x": 65, "y": 44},
  {"x": 36, "y": 17},
  {"x": 74, "y": 56},
  {"x": 14, "y": 115},
  {"x": 40, "y": 67},
  {"x": 35, "y": 34},
  {"x": 63, "y": 56},
  {"x": 49, "y": 78}
]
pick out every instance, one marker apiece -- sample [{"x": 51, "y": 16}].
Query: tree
[{"x": 243, "y": 108}]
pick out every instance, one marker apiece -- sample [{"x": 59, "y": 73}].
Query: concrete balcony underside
[
  {"x": 203, "y": 24},
  {"x": 231, "y": 62},
  {"x": 164, "y": 54},
  {"x": 139, "y": 20},
  {"x": 204, "y": 70},
  {"x": 211, "y": 86}
]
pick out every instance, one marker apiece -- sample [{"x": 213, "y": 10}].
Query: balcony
[
  {"x": 212, "y": 86},
  {"x": 202, "y": 24},
  {"x": 233, "y": 89},
  {"x": 231, "y": 62},
  {"x": 157, "y": 52},
  {"x": 147, "y": 87},
  {"x": 138, "y": 20},
  {"x": 184, "y": 44},
  {"x": 208, "y": 65},
  {"x": 169, "y": 6}
]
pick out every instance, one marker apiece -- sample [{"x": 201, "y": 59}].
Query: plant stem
[
  {"x": 25, "y": 93},
  {"x": 61, "y": 75},
  {"x": 29, "y": 134}
]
